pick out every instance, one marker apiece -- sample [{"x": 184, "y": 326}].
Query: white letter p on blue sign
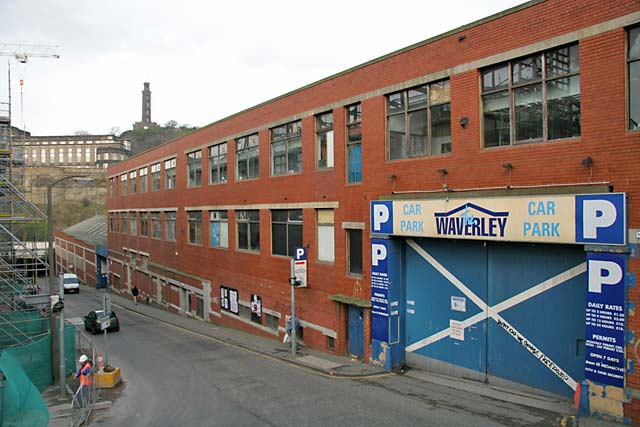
[
  {"x": 299, "y": 253},
  {"x": 378, "y": 253},
  {"x": 601, "y": 219},
  {"x": 382, "y": 217},
  {"x": 603, "y": 272}
]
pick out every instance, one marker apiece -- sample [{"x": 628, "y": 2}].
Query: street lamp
[{"x": 51, "y": 260}]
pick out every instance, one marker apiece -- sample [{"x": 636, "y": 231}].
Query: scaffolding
[{"x": 22, "y": 254}]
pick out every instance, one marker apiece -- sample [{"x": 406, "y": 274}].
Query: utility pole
[{"x": 293, "y": 281}]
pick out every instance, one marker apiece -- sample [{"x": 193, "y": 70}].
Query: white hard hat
[{"x": 83, "y": 359}]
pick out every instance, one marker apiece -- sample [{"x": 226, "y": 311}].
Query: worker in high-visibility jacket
[{"x": 86, "y": 379}]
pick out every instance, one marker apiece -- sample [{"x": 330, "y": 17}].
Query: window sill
[
  {"x": 219, "y": 247},
  {"x": 247, "y": 251},
  {"x": 281, "y": 256},
  {"x": 284, "y": 175},
  {"x": 321, "y": 170},
  {"x": 535, "y": 142},
  {"x": 247, "y": 179}
]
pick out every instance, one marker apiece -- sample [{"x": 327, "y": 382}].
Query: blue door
[
  {"x": 433, "y": 267},
  {"x": 356, "y": 331},
  {"x": 503, "y": 310},
  {"x": 537, "y": 338}
]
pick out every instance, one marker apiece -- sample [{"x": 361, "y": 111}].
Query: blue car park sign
[
  {"x": 605, "y": 318},
  {"x": 601, "y": 219},
  {"x": 596, "y": 219},
  {"x": 379, "y": 290}
]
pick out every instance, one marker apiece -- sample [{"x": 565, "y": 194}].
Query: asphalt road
[{"x": 173, "y": 377}]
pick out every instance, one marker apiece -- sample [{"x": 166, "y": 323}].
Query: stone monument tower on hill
[{"x": 146, "y": 122}]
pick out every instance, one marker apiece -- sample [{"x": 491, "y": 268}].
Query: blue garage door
[{"x": 512, "y": 311}]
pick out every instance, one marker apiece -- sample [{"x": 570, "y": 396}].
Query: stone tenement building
[{"x": 47, "y": 158}]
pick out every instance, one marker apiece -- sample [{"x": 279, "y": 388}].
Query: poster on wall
[
  {"x": 379, "y": 290},
  {"x": 233, "y": 301},
  {"x": 256, "y": 308},
  {"x": 224, "y": 298},
  {"x": 605, "y": 318},
  {"x": 229, "y": 299}
]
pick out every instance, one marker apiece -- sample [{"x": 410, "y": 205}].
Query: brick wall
[{"x": 534, "y": 27}]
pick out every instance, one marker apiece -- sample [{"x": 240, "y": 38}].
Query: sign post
[
  {"x": 105, "y": 322},
  {"x": 298, "y": 277}
]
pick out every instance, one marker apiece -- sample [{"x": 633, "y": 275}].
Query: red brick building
[
  {"x": 82, "y": 249},
  {"x": 503, "y": 150}
]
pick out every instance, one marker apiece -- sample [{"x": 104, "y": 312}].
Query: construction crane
[{"x": 22, "y": 52}]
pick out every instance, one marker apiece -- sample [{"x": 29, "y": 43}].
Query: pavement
[{"x": 331, "y": 365}]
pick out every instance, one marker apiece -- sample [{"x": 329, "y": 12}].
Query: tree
[
  {"x": 171, "y": 124},
  {"x": 115, "y": 130}
]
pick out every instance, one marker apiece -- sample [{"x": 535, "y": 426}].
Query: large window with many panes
[
  {"x": 248, "y": 229},
  {"x": 133, "y": 224},
  {"x": 532, "y": 99},
  {"x": 194, "y": 219},
  {"x": 155, "y": 177},
  {"x": 419, "y": 121},
  {"x": 143, "y": 179},
  {"x": 218, "y": 229},
  {"x": 286, "y": 231},
  {"x": 133, "y": 182},
  {"x": 324, "y": 140},
  {"x": 170, "y": 226},
  {"x": 124, "y": 223},
  {"x": 123, "y": 184},
  {"x": 194, "y": 169},
  {"x": 218, "y": 163},
  {"x": 286, "y": 148},
  {"x": 247, "y": 161},
  {"x": 354, "y": 143},
  {"x": 634, "y": 78},
  {"x": 156, "y": 226},
  {"x": 170, "y": 174},
  {"x": 144, "y": 224}
]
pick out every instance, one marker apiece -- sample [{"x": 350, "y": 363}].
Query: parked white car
[{"x": 70, "y": 282}]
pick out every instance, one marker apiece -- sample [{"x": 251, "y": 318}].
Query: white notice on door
[
  {"x": 456, "y": 330},
  {"x": 458, "y": 303}
]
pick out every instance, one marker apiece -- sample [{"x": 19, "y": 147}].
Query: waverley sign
[{"x": 579, "y": 219}]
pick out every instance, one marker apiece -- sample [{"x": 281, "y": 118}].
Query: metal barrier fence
[{"x": 85, "y": 395}]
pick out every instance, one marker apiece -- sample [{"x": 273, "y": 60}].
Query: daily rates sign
[{"x": 577, "y": 219}]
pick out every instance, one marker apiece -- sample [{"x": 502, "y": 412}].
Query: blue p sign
[
  {"x": 382, "y": 217},
  {"x": 601, "y": 219},
  {"x": 299, "y": 253}
]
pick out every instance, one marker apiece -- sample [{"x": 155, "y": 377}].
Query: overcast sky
[{"x": 205, "y": 60}]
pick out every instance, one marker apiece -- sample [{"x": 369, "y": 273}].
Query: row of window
[
  {"x": 61, "y": 155},
  {"x": 286, "y": 231},
  {"x": 531, "y": 99}
]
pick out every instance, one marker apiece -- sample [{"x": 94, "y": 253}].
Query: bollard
[{"x": 583, "y": 409}]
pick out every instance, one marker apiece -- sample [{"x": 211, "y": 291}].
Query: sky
[{"x": 205, "y": 60}]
